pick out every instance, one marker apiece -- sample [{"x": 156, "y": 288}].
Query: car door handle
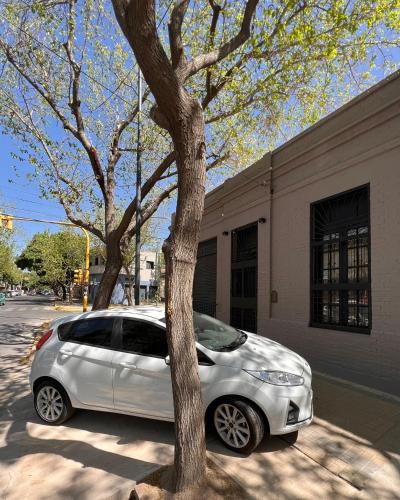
[
  {"x": 131, "y": 366},
  {"x": 65, "y": 352}
]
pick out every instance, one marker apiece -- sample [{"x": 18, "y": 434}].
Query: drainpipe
[{"x": 271, "y": 192}]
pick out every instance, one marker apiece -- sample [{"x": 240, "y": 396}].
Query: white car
[{"x": 117, "y": 361}]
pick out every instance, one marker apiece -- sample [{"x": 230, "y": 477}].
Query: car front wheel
[
  {"x": 238, "y": 425},
  {"x": 52, "y": 403}
]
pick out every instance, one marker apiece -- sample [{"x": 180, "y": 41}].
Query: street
[
  {"x": 19, "y": 317},
  {"x": 350, "y": 451}
]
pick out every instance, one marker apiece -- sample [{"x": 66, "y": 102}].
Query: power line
[
  {"x": 10, "y": 207},
  {"x": 12, "y": 198},
  {"x": 113, "y": 92}
]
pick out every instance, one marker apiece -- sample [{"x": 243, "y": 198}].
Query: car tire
[
  {"x": 238, "y": 425},
  {"x": 52, "y": 403}
]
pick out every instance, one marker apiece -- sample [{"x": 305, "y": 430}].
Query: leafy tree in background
[
  {"x": 53, "y": 257},
  {"x": 223, "y": 60},
  {"x": 9, "y": 272},
  {"x": 69, "y": 96}
]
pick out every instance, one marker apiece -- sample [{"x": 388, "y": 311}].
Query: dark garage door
[{"x": 205, "y": 278}]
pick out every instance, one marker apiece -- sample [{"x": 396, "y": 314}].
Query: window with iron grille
[{"x": 340, "y": 262}]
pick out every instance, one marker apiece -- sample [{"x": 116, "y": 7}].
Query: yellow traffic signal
[
  {"x": 78, "y": 276},
  {"x": 6, "y": 221}
]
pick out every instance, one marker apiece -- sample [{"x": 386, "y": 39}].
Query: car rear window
[{"x": 95, "y": 331}]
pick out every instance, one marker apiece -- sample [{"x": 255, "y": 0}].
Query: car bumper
[{"x": 277, "y": 402}]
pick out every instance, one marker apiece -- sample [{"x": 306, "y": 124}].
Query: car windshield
[{"x": 216, "y": 335}]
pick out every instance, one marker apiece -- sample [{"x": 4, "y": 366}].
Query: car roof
[{"x": 143, "y": 312}]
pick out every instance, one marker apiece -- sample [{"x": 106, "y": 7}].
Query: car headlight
[{"x": 277, "y": 378}]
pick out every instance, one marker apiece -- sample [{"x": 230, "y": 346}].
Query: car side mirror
[{"x": 167, "y": 361}]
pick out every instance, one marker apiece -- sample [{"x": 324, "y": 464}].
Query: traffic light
[
  {"x": 78, "y": 276},
  {"x": 6, "y": 221}
]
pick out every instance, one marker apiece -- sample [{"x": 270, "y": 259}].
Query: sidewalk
[{"x": 352, "y": 450}]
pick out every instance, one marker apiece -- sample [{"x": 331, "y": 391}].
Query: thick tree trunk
[
  {"x": 180, "y": 254},
  {"x": 109, "y": 279}
]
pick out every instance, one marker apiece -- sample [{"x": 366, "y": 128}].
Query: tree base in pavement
[{"x": 216, "y": 486}]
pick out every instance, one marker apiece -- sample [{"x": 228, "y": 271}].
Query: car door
[
  {"x": 142, "y": 378},
  {"x": 85, "y": 360}
]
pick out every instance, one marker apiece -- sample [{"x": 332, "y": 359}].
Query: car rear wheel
[
  {"x": 52, "y": 403},
  {"x": 238, "y": 425}
]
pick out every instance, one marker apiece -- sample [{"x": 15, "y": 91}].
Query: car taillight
[{"x": 43, "y": 339}]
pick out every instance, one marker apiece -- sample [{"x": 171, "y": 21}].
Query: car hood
[{"x": 260, "y": 353}]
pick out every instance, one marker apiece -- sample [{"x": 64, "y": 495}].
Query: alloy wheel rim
[
  {"x": 231, "y": 425},
  {"x": 49, "y": 403}
]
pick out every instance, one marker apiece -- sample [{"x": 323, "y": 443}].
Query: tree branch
[
  {"x": 75, "y": 105},
  {"x": 205, "y": 60},
  {"x": 175, "y": 33},
  {"x": 148, "y": 185},
  {"x": 216, "y": 8},
  {"x": 149, "y": 210}
]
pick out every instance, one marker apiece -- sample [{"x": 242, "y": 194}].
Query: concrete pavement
[{"x": 352, "y": 450}]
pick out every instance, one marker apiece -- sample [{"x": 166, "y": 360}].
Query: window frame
[
  {"x": 340, "y": 227},
  {"x": 69, "y": 325}
]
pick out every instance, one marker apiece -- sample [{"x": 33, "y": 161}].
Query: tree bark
[
  {"x": 110, "y": 276},
  {"x": 180, "y": 252},
  {"x": 128, "y": 289}
]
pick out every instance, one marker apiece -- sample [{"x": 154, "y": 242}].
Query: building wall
[{"x": 358, "y": 144}]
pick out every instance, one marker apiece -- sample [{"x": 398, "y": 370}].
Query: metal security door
[
  {"x": 205, "y": 278},
  {"x": 244, "y": 278}
]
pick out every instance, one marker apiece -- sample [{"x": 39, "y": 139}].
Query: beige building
[
  {"x": 304, "y": 245},
  {"x": 149, "y": 277}
]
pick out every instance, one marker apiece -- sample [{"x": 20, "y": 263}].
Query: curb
[
  {"x": 39, "y": 329},
  {"x": 369, "y": 390}
]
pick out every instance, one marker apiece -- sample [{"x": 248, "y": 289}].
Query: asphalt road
[{"x": 20, "y": 316}]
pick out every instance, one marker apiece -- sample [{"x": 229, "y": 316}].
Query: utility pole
[{"x": 138, "y": 193}]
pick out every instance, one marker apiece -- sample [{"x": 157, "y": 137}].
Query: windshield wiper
[{"x": 236, "y": 343}]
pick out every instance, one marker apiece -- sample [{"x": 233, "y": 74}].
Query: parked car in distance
[
  {"x": 2, "y": 299},
  {"x": 117, "y": 361}
]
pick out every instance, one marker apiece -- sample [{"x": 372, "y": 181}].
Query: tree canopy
[
  {"x": 53, "y": 257},
  {"x": 69, "y": 90}
]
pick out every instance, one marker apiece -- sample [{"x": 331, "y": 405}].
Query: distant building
[{"x": 149, "y": 278}]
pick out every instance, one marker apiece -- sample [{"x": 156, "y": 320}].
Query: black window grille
[{"x": 340, "y": 262}]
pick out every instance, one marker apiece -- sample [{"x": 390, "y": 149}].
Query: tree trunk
[
  {"x": 129, "y": 287},
  {"x": 180, "y": 254},
  {"x": 109, "y": 279}
]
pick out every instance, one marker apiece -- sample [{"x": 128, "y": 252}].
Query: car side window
[
  {"x": 144, "y": 338},
  {"x": 96, "y": 331}
]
